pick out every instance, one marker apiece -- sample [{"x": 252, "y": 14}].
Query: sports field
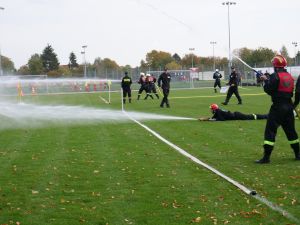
[{"x": 108, "y": 170}]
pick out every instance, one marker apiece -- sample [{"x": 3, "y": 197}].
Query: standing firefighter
[
  {"x": 297, "y": 94},
  {"x": 164, "y": 82},
  {"x": 142, "y": 82},
  {"x": 217, "y": 76},
  {"x": 280, "y": 87},
  {"x": 233, "y": 87},
  {"x": 126, "y": 83}
]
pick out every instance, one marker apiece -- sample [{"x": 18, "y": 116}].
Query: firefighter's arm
[{"x": 206, "y": 119}]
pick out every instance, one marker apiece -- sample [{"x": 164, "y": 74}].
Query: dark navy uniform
[
  {"x": 233, "y": 87},
  {"x": 164, "y": 82},
  {"x": 150, "y": 83},
  {"x": 297, "y": 92},
  {"x": 217, "y": 76},
  {"x": 222, "y": 115},
  {"x": 126, "y": 83},
  {"x": 280, "y": 87}
]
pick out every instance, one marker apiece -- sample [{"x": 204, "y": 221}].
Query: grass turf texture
[{"x": 117, "y": 173}]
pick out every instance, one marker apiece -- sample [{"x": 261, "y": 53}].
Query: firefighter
[
  {"x": 142, "y": 82},
  {"x": 217, "y": 76},
  {"x": 280, "y": 86},
  {"x": 150, "y": 83},
  {"x": 297, "y": 93},
  {"x": 222, "y": 115},
  {"x": 233, "y": 87},
  {"x": 164, "y": 82},
  {"x": 125, "y": 84}
]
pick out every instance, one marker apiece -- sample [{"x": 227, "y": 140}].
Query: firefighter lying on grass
[{"x": 222, "y": 115}]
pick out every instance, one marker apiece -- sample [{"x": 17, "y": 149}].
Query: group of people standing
[{"x": 148, "y": 84}]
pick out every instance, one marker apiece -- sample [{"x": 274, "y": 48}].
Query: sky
[{"x": 126, "y": 30}]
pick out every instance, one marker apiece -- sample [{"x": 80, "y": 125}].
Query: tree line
[{"x": 48, "y": 63}]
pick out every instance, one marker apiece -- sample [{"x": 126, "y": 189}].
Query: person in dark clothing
[
  {"x": 125, "y": 84},
  {"x": 280, "y": 87},
  {"x": 297, "y": 93},
  {"x": 223, "y": 115},
  {"x": 233, "y": 87},
  {"x": 142, "y": 82},
  {"x": 164, "y": 82},
  {"x": 217, "y": 76},
  {"x": 150, "y": 83}
]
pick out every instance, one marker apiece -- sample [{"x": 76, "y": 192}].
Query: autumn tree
[
  {"x": 7, "y": 65},
  {"x": 35, "y": 65},
  {"x": 157, "y": 60}
]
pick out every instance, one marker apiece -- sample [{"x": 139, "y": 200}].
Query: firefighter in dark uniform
[
  {"x": 150, "y": 83},
  {"x": 217, "y": 76},
  {"x": 164, "y": 82},
  {"x": 223, "y": 115},
  {"x": 233, "y": 87},
  {"x": 280, "y": 87},
  {"x": 142, "y": 82},
  {"x": 297, "y": 93},
  {"x": 126, "y": 83}
]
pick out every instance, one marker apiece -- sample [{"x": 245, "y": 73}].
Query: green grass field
[{"x": 114, "y": 173}]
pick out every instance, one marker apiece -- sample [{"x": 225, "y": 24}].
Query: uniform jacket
[
  {"x": 164, "y": 80},
  {"x": 126, "y": 82},
  {"x": 274, "y": 86}
]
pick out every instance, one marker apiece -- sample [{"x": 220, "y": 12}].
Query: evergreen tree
[
  {"x": 72, "y": 61},
  {"x": 49, "y": 59}
]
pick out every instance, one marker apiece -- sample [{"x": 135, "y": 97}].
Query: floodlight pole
[
  {"x": 83, "y": 52},
  {"x": 1, "y": 72},
  {"x": 229, "y": 44},
  {"x": 213, "y": 44},
  {"x": 295, "y": 44}
]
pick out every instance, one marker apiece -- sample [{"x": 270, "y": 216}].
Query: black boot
[
  {"x": 267, "y": 153},
  {"x": 215, "y": 90},
  {"x": 295, "y": 147}
]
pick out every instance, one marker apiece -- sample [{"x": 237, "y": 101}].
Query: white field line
[
  {"x": 103, "y": 99},
  {"x": 230, "y": 180},
  {"x": 214, "y": 96}
]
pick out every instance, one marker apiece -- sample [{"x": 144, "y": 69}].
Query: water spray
[{"x": 242, "y": 61}]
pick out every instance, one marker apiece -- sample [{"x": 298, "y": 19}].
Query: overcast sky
[{"x": 125, "y": 30}]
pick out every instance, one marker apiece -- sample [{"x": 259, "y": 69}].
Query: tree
[
  {"x": 23, "y": 70},
  {"x": 105, "y": 64},
  {"x": 72, "y": 61},
  {"x": 177, "y": 58},
  {"x": 35, "y": 65},
  {"x": 173, "y": 66},
  {"x": 49, "y": 59},
  {"x": 7, "y": 65},
  {"x": 157, "y": 60},
  {"x": 284, "y": 52}
]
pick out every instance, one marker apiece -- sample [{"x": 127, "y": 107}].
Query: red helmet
[
  {"x": 214, "y": 107},
  {"x": 279, "y": 61}
]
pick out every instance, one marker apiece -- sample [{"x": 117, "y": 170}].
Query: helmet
[
  {"x": 214, "y": 107},
  {"x": 148, "y": 75},
  {"x": 279, "y": 61},
  {"x": 142, "y": 74},
  {"x": 217, "y": 70}
]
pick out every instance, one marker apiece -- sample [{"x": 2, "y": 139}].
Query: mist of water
[{"x": 23, "y": 115}]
